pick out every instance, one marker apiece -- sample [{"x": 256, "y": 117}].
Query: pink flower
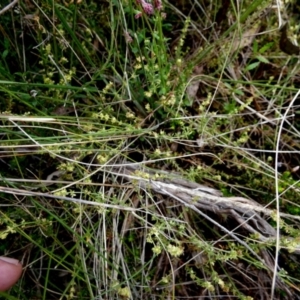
[
  {"x": 158, "y": 4},
  {"x": 163, "y": 15},
  {"x": 138, "y": 15},
  {"x": 147, "y": 7}
]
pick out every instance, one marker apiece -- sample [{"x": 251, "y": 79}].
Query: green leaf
[
  {"x": 263, "y": 59},
  {"x": 239, "y": 92},
  {"x": 252, "y": 66},
  {"x": 266, "y": 47},
  {"x": 4, "y": 54},
  {"x": 255, "y": 46}
]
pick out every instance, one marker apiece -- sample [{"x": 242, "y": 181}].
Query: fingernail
[{"x": 10, "y": 260}]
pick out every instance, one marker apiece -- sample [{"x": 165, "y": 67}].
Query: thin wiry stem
[{"x": 277, "y": 194}]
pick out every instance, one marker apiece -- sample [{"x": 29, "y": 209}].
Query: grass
[{"x": 150, "y": 155}]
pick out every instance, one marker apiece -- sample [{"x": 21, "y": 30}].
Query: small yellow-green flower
[
  {"x": 124, "y": 292},
  {"x": 148, "y": 94},
  {"x": 156, "y": 249},
  {"x": 174, "y": 250}
]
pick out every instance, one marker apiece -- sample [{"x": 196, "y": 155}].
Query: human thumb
[{"x": 10, "y": 272}]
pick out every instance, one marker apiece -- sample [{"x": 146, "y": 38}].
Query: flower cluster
[{"x": 149, "y": 8}]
